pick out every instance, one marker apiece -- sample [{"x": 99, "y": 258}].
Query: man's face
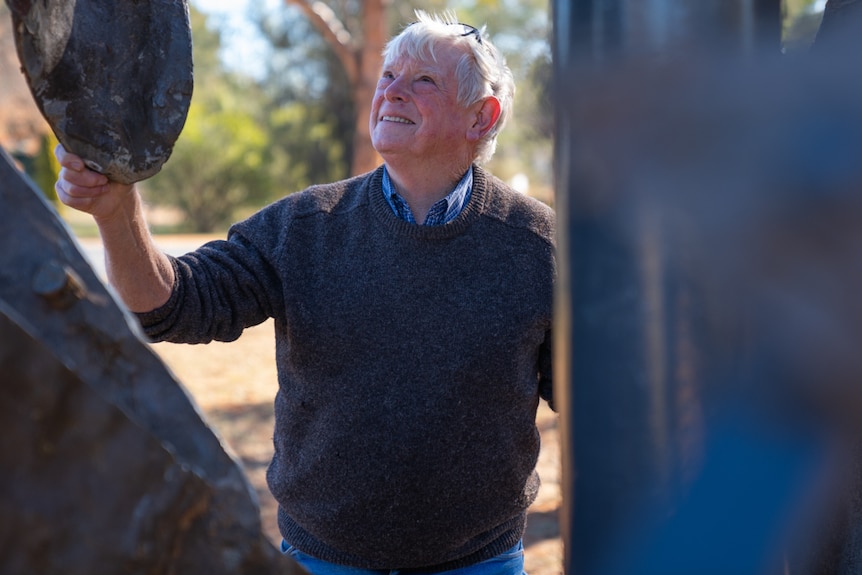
[{"x": 415, "y": 113}]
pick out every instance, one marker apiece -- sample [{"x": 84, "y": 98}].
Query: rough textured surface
[
  {"x": 113, "y": 79},
  {"x": 106, "y": 466}
]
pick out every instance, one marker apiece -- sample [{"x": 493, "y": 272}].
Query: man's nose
[{"x": 396, "y": 90}]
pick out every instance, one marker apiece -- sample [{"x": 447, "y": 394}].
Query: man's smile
[{"x": 396, "y": 119}]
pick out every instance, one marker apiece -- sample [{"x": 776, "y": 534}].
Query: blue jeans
[{"x": 510, "y": 562}]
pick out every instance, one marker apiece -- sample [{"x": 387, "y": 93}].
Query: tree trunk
[
  {"x": 365, "y": 157},
  {"x": 360, "y": 53}
]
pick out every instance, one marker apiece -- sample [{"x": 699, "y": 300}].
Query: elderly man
[{"x": 412, "y": 311}]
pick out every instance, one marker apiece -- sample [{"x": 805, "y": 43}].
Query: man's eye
[{"x": 426, "y": 79}]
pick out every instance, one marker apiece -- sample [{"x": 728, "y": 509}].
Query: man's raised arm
[{"x": 138, "y": 270}]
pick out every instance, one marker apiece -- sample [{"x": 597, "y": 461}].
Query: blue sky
[
  {"x": 235, "y": 8},
  {"x": 242, "y": 48}
]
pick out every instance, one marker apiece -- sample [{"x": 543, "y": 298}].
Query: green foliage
[
  {"x": 800, "y": 24},
  {"x": 401, "y": 13},
  {"x": 43, "y": 168},
  {"x": 218, "y": 166},
  {"x": 521, "y": 30},
  {"x": 46, "y": 168},
  {"x": 793, "y": 8},
  {"x": 221, "y": 161},
  {"x": 310, "y": 108},
  {"x": 305, "y": 146}
]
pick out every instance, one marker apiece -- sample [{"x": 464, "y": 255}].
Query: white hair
[{"x": 481, "y": 72}]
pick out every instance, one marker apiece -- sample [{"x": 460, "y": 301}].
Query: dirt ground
[{"x": 235, "y": 383}]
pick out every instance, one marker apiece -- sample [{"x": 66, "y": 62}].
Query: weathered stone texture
[
  {"x": 113, "y": 79},
  {"x": 106, "y": 465}
]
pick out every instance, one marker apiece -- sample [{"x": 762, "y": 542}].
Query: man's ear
[{"x": 485, "y": 119}]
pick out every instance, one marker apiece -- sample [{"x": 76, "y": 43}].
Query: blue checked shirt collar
[{"x": 442, "y": 212}]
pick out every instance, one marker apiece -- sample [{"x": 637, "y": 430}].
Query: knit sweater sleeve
[
  {"x": 222, "y": 287},
  {"x": 228, "y": 285}
]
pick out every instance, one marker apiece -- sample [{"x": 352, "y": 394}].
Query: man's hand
[
  {"x": 83, "y": 189},
  {"x": 141, "y": 274}
]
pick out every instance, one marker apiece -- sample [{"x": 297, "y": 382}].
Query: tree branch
[{"x": 333, "y": 31}]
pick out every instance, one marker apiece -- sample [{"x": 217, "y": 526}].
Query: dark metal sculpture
[
  {"x": 600, "y": 32},
  {"x": 106, "y": 465},
  {"x": 840, "y": 28},
  {"x": 708, "y": 202},
  {"x": 113, "y": 79}
]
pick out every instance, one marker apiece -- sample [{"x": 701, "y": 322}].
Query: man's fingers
[
  {"x": 84, "y": 177},
  {"x": 67, "y": 190},
  {"x": 68, "y": 159},
  {"x": 66, "y": 196},
  {"x": 83, "y": 198}
]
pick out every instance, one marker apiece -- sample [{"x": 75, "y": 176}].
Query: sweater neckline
[{"x": 383, "y": 212}]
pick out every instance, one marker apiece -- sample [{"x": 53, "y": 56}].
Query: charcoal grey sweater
[{"x": 410, "y": 359}]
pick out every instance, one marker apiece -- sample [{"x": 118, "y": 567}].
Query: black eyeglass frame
[{"x": 471, "y": 30}]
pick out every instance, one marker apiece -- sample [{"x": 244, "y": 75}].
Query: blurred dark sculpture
[
  {"x": 113, "y": 79},
  {"x": 708, "y": 319},
  {"x": 841, "y": 27},
  {"x": 106, "y": 466}
]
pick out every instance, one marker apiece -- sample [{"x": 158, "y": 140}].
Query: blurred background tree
[
  {"x": 801, "y": 21},
  {"x": 295, "y": 112},
  {"x": 311, "y": 62},
  {"x": 45, "y": 168},
  {"x": 521, "y": 29},
  {"x": 354, "y": 33},
  {"x": 298, "y": 114},
  {"x": 222, "y": 161}
]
